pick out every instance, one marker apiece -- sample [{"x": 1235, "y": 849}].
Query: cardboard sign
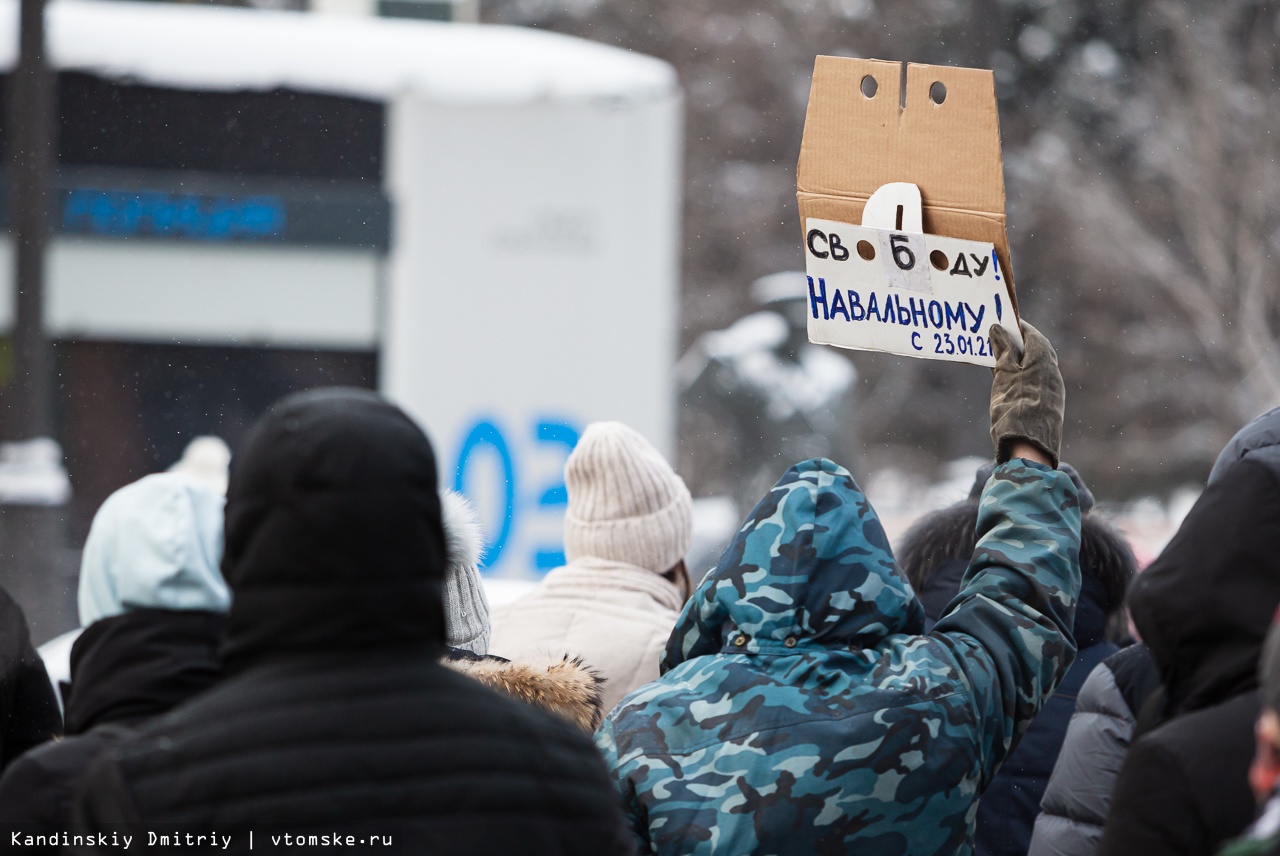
[
  {"x": 886, "y": 286},
  {"x": 905, "y": 178}
]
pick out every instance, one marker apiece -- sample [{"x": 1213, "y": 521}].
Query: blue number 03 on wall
[{"x": 486, "y": 437}]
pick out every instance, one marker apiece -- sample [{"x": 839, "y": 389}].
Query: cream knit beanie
[{"x": 626, "y": 504}]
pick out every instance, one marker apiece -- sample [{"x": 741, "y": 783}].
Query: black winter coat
[
  {"x": 28, "y": 708},
  {"x": 1203, "y": 608},
  {"x": 1184, "y": 787},
  {"x": 124, "y": 670},
  {"x": 337, "y": 715}
]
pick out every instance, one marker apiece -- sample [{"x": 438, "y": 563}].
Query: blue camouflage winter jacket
[{"x": 801, "y": 710}]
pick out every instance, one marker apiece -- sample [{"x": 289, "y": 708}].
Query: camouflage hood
[
  {"x": 802, "y": 710},
  {"x": 811, "y": 566}
]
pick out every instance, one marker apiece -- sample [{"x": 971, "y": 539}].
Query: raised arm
[{"x": 1009, "y": 629}]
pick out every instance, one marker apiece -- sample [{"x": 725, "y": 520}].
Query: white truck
[{"x": 488, "y": 216}]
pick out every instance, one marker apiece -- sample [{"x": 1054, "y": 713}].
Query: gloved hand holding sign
[{"x": 1027, "y": 394}]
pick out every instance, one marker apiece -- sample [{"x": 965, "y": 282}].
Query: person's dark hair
[
  {"x": 1106, "y": 556},
  {"x": 928, "y": 551},
  {"x": 679, "y": 576},
  {"x": 942, "y": 536}
]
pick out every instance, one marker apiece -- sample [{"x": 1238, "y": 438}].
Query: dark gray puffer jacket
[{"x": 1078, "y": 796}]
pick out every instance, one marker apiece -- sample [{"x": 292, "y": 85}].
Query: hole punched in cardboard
[
  {"x": 901, "y": 191},
  {"x": 870, "y": 123},
  {"x": 903, "y": 293}
]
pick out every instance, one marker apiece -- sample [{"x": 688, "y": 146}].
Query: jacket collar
[
  {"x": 137, "y": 665},
  {"x": 589, "y": 572}
]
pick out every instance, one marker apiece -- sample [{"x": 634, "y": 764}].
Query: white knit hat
[
  {"x": 626, "y": 504},
  {"x": 466, "y": 609}
]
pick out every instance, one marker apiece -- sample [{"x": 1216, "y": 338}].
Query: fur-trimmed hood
[{"x": 567, "y": 687}]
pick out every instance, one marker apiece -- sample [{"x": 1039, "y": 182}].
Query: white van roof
[{"x": 219, "y": 48}]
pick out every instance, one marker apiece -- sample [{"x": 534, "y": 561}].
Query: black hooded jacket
[
  {"x": 1260, "y": 438},
  {"x": 125, "y": 670},
  {"x": 1203, "y": 608},
  {"x": 28, "y": 709},
  {"x": 336, "y": 714}
]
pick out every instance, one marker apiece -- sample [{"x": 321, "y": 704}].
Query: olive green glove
[{"x": 1027, "y": 393}]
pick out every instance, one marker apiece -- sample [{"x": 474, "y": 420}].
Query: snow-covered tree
[{"x": 1140, "y": 147}]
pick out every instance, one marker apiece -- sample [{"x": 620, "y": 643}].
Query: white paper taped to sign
[{"x": 887, "y": 286}]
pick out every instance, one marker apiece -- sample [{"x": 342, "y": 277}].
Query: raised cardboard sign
[
  {"x": 887, "y": 286},
  {"x": 903, "y": 179}
]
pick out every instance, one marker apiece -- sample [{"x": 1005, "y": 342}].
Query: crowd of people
[{"x": 308, "y": 651}]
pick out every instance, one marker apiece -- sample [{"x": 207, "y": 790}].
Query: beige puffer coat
[{"x": 615, "y": 617}]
